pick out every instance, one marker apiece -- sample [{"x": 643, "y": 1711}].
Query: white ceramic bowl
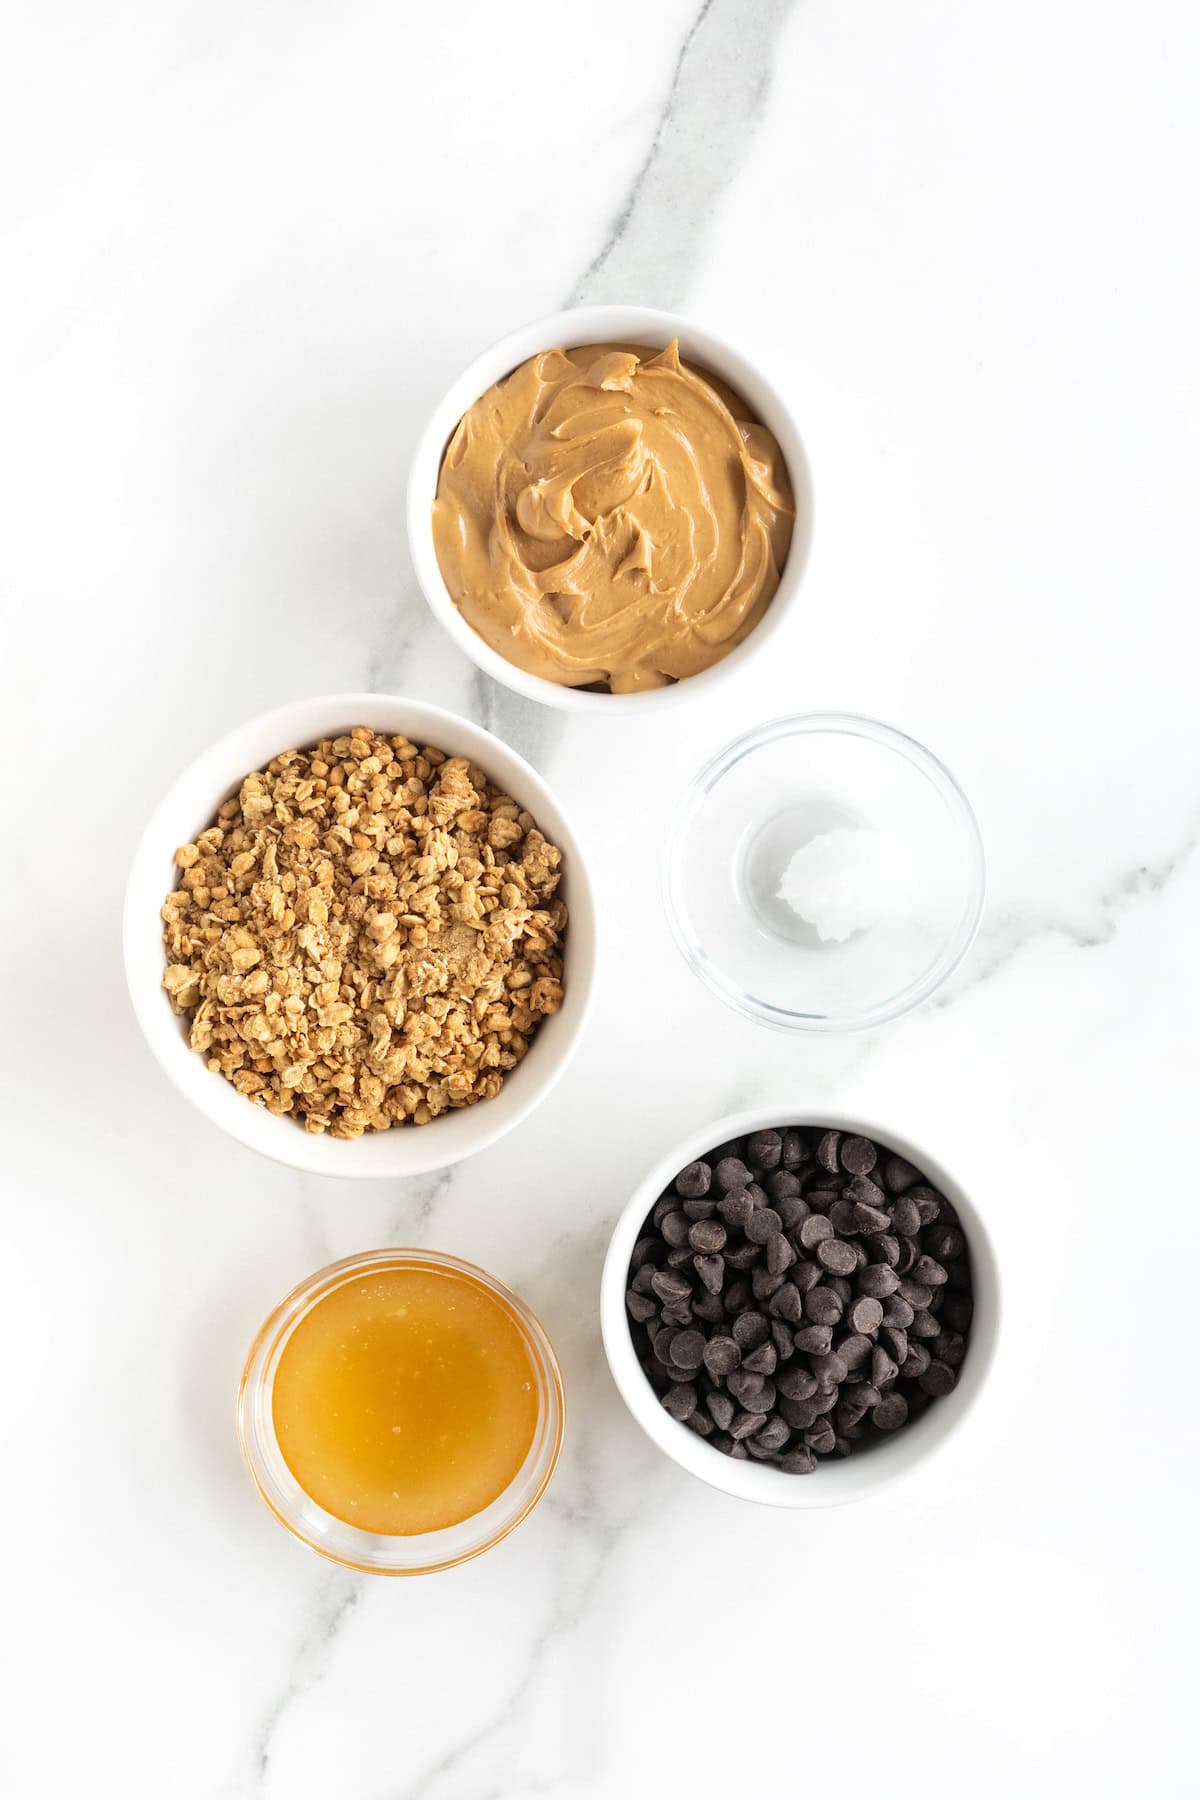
[
  {"x": 865, "y": 1471},
  {"x": 563, "y": 330},
  {"x": 190, "y": 804}
]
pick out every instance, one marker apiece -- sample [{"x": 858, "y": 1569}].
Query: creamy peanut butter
[{"x": 607, "y": 515}]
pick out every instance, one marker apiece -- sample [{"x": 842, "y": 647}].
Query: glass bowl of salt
[{"x": 824, "y": 873}]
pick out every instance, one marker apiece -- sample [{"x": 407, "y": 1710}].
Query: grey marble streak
[
  {"x": 336, "y": 1598},
  {"x": 715, "y": 104},
  {"x": 1010, "y": 935}
]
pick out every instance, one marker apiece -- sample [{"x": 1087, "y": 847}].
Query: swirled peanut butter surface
[{"x": 608, "y": 516}]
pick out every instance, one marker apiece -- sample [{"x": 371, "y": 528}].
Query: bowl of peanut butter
[{"x": 610, "y": 509}]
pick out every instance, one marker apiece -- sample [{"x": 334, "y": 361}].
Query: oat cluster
[{"x": 367, "y": 935}]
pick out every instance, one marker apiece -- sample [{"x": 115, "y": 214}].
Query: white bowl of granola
[{"x": 353, "y": 958}]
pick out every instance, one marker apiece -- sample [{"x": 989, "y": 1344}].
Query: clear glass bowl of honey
[{"x": 401, "y": 1411}]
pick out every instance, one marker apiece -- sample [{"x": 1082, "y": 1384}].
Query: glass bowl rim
[
  {"x": 838, "y": 724},
  {"x": 536, "y": 1472}
]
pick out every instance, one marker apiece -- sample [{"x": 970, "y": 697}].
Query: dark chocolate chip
[
  {"x": 865, "y": 1315},
  {"x": 731, "y": 1175},
  {"x": 687, "y": 1349},
  {"x": 699, "y": 1209},
  {"x": 750, "y": 1330},
  {"x": 891, "y": 1412},
  {"x": 639, "y": 1307},
  {"x": 743, "y": 1382},
  {"x": 762, "y": 1222},
  {"x": 680, "y": 1400},
  {"x": 814, "y": 1230},
  {"x": 743, "y": 1424},
  {"x": 817, "y": 1340},
  {"x": 946, "y": 1242},
  {"x": 836, "y": 1256},
  {"x": 805, "y": 1275},
  {"x": 670, "y": 1285},
  {"x": 675, "y": 1228},
  {"x": 721, "y": 1408},
  {"x": 772, "y": 1435},
  {"x": 764, "y": 1148},
  {"x": 707, "y": 1235},
  {"x": 796, "y": 1383},
  {"x": 898, "y": 1174},
  {"x": 722, "y": 1355},
  {"x": 735, "y": 1209},
  {"x": 916, "y": 1293},
  {"x": 864, "y": 1192},
  {"x": 877, "y": 1281},
  {"x": 939, "y": 1378},
  {"x": 949, "y": 1347},
  {"x": 787, "y": 1304},
  {"x": 842, "y": 1217},
  {"x": 801, "y": 1415},
  {"x": 827, "y": 1151},
  {"x": 906, "y": 1217},
  {"x": 763, "y": 1400},
  {"x": 644, "y": 1251},
  {"x": 693, "y": 1182},
  {"x": 780, "y": 1255},
  {"x": 793, "y": 1150},
  {"x": 855, "y": 1350},
  {"x": 711, "y": 1270},
  {"x": 858, "y": 1155},
  {"x": 870, "y": 1219},
  {"x": 792, "y": 1210},
  {"x": 830, "y": 1369},
  {"x": 800, "y": 1461},
  {"x": 761, "y": 1361},
  {"x": 822, "y": 1307}
]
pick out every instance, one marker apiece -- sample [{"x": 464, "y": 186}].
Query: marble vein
[
  {"x": 337, "y": 1597},
  {"x": 716, "y": 101},
  {"x": 1014, "y": 932},
  {"x": 589, "y": 1521},
  {"x": 421, "y": 1196}
]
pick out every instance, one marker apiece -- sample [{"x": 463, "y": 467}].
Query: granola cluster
[{"x": 367, "y": 935}]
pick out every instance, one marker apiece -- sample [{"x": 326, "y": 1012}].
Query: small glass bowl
[
  {"x": 780, "y": 787},
  {"x": 375, "y": 1553}
]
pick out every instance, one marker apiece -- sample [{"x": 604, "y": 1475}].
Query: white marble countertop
[{"x": 242, "y": 249}]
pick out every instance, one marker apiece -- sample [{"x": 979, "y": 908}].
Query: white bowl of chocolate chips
[{"x": 799, "y": 1308}]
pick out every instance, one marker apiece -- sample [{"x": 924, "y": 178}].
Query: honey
[{"x": 405, "y": 1400}]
